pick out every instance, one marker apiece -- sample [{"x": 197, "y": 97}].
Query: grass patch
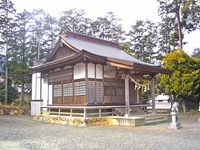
[
  {"x": 192, "y": 112},
  {"x": 9, "y": 107},
  {"x": 16, "y": 105}
]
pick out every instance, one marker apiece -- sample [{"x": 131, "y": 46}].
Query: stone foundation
[
  {"x": 94, "y": 121},
  {"x": 14, "y": 112}
]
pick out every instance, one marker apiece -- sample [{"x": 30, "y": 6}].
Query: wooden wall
[
  {"x": 89, "y": 91},
  {"x": 63, "y": 51}
]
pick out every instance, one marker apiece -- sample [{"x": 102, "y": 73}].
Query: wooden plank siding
[
  {"x": 88, "y": 91},
  {"x": 114, "y": 92},
  {"x": 63, "y": 51}
]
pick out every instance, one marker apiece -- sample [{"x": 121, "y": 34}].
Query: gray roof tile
[{"x": 103, "y": 50}]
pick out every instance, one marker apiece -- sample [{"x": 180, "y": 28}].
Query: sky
[{"x": 127, "y": 10}]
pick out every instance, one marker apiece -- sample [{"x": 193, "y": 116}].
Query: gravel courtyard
[{"x": 23, "y": 133}]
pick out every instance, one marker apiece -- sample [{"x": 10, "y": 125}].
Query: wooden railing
[{"x": 84, "y": 111}]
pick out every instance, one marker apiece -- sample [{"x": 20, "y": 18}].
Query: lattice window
[
  {"x": 120, "y": 91},
  {"x": 91, "y": 91},
  {"x": 57, "y": 90},
  {"x": 99, "y": 92},
  {"x": 68, "y": 89},
  {"x": 107, "y": 91},
  {"x": 113, "y": 90},
  {"x": 80, "y": 88}
]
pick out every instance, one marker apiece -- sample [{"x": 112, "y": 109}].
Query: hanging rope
[
  {"x": 139, "y": 84},
  {"x": 119, "y": 76}
]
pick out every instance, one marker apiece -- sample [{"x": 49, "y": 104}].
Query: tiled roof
[{"x": 103, "y": 50}]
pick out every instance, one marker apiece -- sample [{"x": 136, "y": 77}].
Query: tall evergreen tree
[
  {"x": 44, "y": 32},
  {"x": 7, "y": 12},
  {"x": 143, "y": 39},
  {"x": 196, "y": 53},
  {"x": 108, "y": 28},
  {"x": 72, "y": 20},
  {"x": 181, "y": 15},
  {"x": 20, "y": 52}
]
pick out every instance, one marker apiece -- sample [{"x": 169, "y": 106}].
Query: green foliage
[
  {"x": 184, "y": 82},
  {"x": 125, "y": 47},
  {"x": 196, "y": 53},
  {"x": 108, "y": 28},
  {"x": 17, "y": 102},
  {"x": 143, "y": 39},
  {"x": 71, "y": 20},
  {"x": 177, "y": 16},
  {"x": 12, "y": 92}
]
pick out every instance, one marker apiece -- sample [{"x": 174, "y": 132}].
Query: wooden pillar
[
  {"x": 127, "y": 95},
  {"x": 153, "y": 95},
  {"x": 86, "y": 81}
]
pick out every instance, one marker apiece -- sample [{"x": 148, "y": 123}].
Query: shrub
[{"x": 17, "y": 103}]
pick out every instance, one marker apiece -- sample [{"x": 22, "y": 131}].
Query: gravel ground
[{"x": 23, "y": 133}]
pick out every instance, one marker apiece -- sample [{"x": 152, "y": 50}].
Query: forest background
[{"x": 26, "y": 36}]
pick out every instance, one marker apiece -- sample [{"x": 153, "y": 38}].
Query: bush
[{"x": 17, "y": 103}]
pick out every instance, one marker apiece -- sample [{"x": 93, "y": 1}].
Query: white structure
[
  {"x": 175, "y": 124},
  {"x": 199, "y": 106},
  {"x": 161, "y": 102}
]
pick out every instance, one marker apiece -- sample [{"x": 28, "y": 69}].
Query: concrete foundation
[{"x": 94, "y": 121}]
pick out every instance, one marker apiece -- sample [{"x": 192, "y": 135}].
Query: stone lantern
[{"x": 175, "y": 124}]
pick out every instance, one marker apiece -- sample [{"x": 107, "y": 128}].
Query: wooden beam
[
  {"x": 140, "y": 77},
  {"x": 120, "y": 65}
]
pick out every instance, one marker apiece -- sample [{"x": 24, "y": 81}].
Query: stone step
[
  {"x": 153, "y": 118},
  {"x": 138, "y": 113},
  {"x": 153, "y": 122}
]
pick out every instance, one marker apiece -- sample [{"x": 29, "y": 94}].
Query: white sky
[{"x": 127, "y": 10}]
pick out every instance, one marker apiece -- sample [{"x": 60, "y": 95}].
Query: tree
[
  {"x": 12, "y": 91},
  {"x": 71, "y": 20},
  {"x": 196, "y": 53},
  {"x": 182, "y": 15},
  {"x": 184, "y": 83},
  {"x": 44, "y": 31},
  {"x": 167, "y": 38},
  {"x": 143, "y": 39},
  {"x": 125, "y": 47},
  {"x": 20, "y": 52},
  {"x": 108, "y": 28},
  {"x": 7, "y": 11}
]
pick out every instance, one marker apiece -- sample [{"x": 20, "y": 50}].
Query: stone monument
[
  {"x": 175, "y": 124},
  {"x": 199, "y": 105}
]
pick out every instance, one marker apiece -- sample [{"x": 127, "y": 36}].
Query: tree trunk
[
  {"x": 22, "y": 95},
  {"x": 184, "y": 107},
  {"x": 6, "y": 63},
  {"x": 179, "y": 25}
]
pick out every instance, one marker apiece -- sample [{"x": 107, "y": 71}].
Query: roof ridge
[{"x": 91, "y": 39}]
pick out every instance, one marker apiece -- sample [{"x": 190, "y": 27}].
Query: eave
[
  {"x": 87, "y": 57},
  {"x": 82, "y": 56}
]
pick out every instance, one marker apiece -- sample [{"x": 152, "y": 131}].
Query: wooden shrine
[{"x": 87, "y": 71}]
